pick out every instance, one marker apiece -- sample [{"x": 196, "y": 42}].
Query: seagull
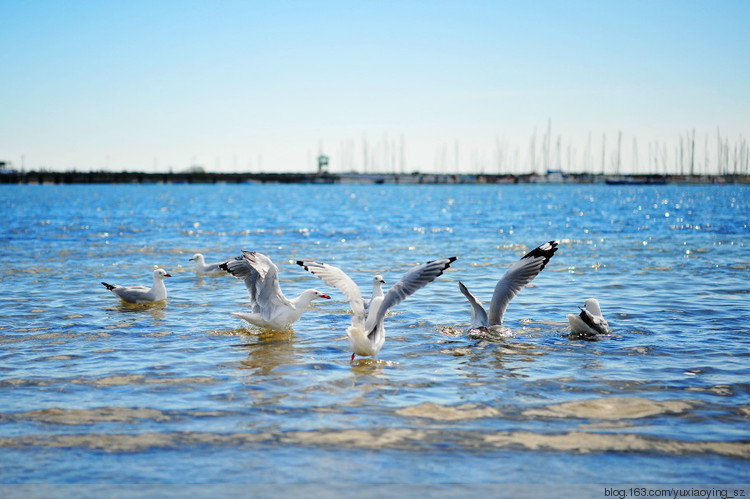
[
  {"x": 142, "y": 294},
  {"x": 377, "y": 289},
  {"x": 367, "y": 332},
  {"x": 513, "y": 281},
  {"x": 201, "y": 267},
  {"x": 271, "y": 309},
  {"x": 590, "y": 321}
]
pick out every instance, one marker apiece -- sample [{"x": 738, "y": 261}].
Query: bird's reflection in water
[
  {"x": 267, "y": 350},
  {"x": 498, "y": 348},
  {"x": 208, "y": 281},
  {"x": 155, "y": 309},
  {"x": 492, "y": 334},
  {"x": 573, "y": 336},
  {"x": 369, "y": 366}
]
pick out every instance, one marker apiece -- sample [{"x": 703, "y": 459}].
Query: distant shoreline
[{"x": 104, "y": 177}]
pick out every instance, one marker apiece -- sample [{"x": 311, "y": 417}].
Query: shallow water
[{"x": 96, "y": 391}]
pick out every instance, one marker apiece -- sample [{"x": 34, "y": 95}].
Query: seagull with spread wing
[
  {"x": 271, "y": 309},
  {"x": 367, "y": 332},
  {"x": 513, "y": 281}
]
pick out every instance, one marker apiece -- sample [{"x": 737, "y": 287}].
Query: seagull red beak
[
  {"x": 167, "y": 275},
  {"x": 325, "y": 296}
]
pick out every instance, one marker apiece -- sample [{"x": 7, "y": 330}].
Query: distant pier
[{"x": 192, "y": 177}]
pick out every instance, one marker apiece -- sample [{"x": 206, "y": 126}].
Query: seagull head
[
  {"x": 161, "y": 273},
  {"x": 378, "y": 279},
  {"x": 196, "y": 257},
  {"x": 592, "y": 305}
]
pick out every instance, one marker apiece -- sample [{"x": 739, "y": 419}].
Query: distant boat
[
  {"x": 552, "y": 177},
  {"x": 635, "y": 180}
]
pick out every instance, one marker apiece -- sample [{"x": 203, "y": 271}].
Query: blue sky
[{"x": 430, "y": 86}]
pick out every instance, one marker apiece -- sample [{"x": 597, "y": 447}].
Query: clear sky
[{"x": 430, "y": 85}]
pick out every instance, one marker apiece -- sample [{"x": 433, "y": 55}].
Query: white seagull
[
  {"x": 201, "y": 267},
  {"x": 513, "y": 281},
  {"x": 590, "y": 321},
  {"x": 367, "y": 332},
  {"x": 142, "y": 294},
  {"x": 271, "y": 309}
]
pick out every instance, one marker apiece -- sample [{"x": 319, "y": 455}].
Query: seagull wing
[
  {"x": 334, "y": 276},
  {"x": 132, "y": 293},
  {"x": 478, "y": 314},
  {"x": 597, "y": 323},
  {"x": 260, "y": 262},
  {"x": 241, "y": 269},
  {"x": 416, "y": 278},
  {"x": 269, "y": 297},
  {"x": 516, "y": 277}
]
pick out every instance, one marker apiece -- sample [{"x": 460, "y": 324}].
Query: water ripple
[{"x": 84, "y": 376}]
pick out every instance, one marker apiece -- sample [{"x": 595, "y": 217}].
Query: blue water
[{"x": 95, "y": 391}]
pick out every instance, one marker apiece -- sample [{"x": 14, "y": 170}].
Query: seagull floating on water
[
  {"x": 513, "y": 281},
  {"x": 271, "y": 309},
  {"x": 202, "y": 267},
  {"x": 590, "y": 321},
  {"x": 142, "y": 294},
  {"x": 367, "y": 332}
]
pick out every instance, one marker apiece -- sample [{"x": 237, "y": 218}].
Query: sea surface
[{"x": 94, "y": 391}]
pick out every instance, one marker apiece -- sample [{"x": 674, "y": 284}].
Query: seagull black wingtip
[{"x": 543, "y": 251}]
